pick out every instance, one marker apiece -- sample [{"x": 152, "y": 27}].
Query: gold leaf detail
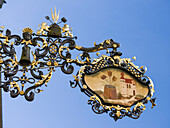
[{"x": 27, "y": 30}]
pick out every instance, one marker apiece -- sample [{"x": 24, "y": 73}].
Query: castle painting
[
  {"x": 116, "y": 86},
  {"x": 128, "y": 86}
]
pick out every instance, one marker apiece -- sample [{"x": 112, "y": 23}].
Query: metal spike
[
  {"x": 52, "y": 15},
  {"x": 55, "y": 15}
]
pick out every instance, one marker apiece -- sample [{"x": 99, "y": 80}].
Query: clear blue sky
[{"x": 141, "y": 26}]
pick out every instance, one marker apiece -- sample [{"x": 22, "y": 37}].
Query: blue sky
[{"x": 141, "y": 26}]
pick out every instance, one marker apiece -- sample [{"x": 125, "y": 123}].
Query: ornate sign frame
[{"x": 116, "y": 111}]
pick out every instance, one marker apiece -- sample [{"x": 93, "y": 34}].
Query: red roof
[
  {"x": 122, "y": 76},
  {"x": 128, "y": 81}
]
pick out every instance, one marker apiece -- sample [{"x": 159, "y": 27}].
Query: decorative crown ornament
[
  {"x": 54, "y": 30},
  {"x": 27, "y": 30}
]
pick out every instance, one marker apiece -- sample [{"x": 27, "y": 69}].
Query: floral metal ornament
[{"x": 114, "y": 85}]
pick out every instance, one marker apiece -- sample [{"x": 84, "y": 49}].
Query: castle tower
[
  {"x": 110, "y": 92},
  {"x": 128, "y": 87}
]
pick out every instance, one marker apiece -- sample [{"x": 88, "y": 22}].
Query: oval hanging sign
[{"x": 116, "y": 87}]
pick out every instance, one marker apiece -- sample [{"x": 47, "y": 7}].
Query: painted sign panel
[{"x": 115, "y": 86}]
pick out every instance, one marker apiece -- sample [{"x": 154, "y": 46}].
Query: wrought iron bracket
[{"x": 53, "y": 47}]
